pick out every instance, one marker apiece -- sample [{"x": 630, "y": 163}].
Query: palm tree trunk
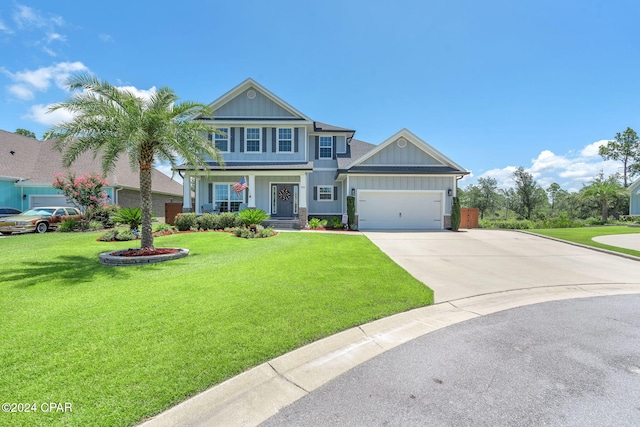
[
  {"x": 605, "y": 210},
  {"x": 146, "y": 236}
]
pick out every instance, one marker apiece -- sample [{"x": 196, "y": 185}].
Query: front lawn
[
  {"x": 124, "y": 343},
  {"x": 584, "y": 235}
]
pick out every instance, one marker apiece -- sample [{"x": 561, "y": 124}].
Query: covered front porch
[{"x": 280, "y": 193}]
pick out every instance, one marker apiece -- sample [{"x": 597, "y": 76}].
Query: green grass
[
  {"x": 584, "y": 235},
  {"x": 124, "y": 343}
]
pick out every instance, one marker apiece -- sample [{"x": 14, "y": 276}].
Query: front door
[{"x": 284, "y": 200}]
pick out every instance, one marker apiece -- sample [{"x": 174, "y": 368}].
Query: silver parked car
[{"x": 8, "y": 211}]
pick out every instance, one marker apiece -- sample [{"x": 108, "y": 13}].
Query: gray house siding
[
  {"x": 269, "y": 151},
  {"x": 313, "y": 142},
  {"x": 324, "y": 207},
  {"x": 395, "y": 155},
  {"x": 634, "y": 206},
  {"x": 260, "y": 106},
  {"x": 371, "y": 182}
]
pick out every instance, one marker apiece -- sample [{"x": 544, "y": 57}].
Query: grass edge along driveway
[
  {"x": 124, "y": 343},
  {"x": 584, "y": 236}
]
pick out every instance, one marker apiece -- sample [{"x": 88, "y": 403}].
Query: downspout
[{"x": 115, "y": 194}]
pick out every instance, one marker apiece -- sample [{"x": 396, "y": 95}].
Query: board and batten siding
[
  {"x": 408, "y": 155},
  {"x": 372, "y": 182},
  {"x": 318, "y": 207},
  {"x": 243, "y": 107},
  {"x": 269, "y": 139},
  {"x": 339, "y": 142}
]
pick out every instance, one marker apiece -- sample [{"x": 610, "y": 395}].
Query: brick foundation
[{"x": 302, "y": 217}]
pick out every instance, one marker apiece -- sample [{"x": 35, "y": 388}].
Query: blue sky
[{"x": 493, "y": 85}]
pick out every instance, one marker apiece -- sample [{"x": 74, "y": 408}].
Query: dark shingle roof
[
  {"x": 255, "y": 165},
  {"x": 400, "y": 170},
  {"x": 38, "y": 161},
  {"x": 323, "y": 127},
  {"x": 355, "y": 150}
]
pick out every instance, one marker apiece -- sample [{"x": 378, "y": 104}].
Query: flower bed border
[{"x": 106, "y": 258}]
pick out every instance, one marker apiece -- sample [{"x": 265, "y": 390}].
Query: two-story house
[{"x": 297, "y": 168}]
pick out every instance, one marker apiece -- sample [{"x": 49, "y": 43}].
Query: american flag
[{"x": 240, "y": 186}]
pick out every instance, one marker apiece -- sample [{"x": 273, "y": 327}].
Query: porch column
[
  {"x": 251, "y": 190},
  {"x": 303, "y": 212},
  {"x": 302, "y": 194},
  {"x": 198, "y": 209},
  {"x": 186, "y": 193}
]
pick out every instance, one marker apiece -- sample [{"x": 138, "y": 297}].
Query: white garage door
[
  {"x": 399, "y": 210},
  {"x": 38, "y": 201}
]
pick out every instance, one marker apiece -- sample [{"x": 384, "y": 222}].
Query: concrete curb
[
  {"x": 580, "y": 245},
  {"x": 259, "y": 393}
]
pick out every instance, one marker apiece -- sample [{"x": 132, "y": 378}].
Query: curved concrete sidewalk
[
  {"x": 491, "y": 271},
  {"x": 628, "y": 241}
]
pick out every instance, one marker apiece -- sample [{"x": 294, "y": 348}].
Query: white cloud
[
  {"x": 4, "y": 28},
  {"x": 105, "y": 37},
  {"x": 30, "y": 81},
  {"x": 51, "y": 37},
  {"x": 39, "y": 114},
  {"x": 571, "y": 171},
  {"x": 592, "y": 150},
  {"x": 140, "y": 93},
  {"x": 29, "y": 18}
]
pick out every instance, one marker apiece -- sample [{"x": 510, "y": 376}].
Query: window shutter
[
  {"x": 242, "y": 140},
  {"x": 210, "y": 193},
  {"x": 210, "y": 137},
  {"x": 317, "y": 147},
  {"x": 335, "y": 193},
  {"x": 232, "y": 139},
  {"x": 334, "y": 148},
  {"x": 315, "y": 192},
  {"x": 264, "y": 140},
  {"x": 274, "y": 140},
  {"x": 295, "y": 140}
]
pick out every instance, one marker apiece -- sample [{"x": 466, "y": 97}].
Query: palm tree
[
  {"x": 603, "y": 190},
  {"x": 110, "y": 122}
]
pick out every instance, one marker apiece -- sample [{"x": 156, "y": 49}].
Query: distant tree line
[{"x": 602, "y": 199}]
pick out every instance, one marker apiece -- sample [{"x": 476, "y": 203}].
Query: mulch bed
[{"x": 145, "y": 252}]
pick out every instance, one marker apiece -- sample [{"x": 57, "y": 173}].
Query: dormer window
[
  {"x": 326, "y": 147},
  {"x": 252, "y": 140}
]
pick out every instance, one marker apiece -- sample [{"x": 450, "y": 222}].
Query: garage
[
  {"x": 52, "y": 200},
  {"x": 400, "y": 210}
]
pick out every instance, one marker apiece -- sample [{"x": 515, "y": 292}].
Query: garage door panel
[
  {"x": 400, "y": 210},
  {"x": 49, "y": 200}
]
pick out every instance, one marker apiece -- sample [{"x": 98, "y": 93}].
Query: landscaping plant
[
  {"x": 128, "y": 216},
  {"x": 455, "y": 214},
  {"x": 351, "y": 211}
]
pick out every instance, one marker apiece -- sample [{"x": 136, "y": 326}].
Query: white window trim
[
  {"x": 228, "y": 138},
  {"x": 278, "y": 141},
  {"x": 330, "y": 187},
  {"x": 246, "y": 140},
  {"x": 320, "y": 157}
]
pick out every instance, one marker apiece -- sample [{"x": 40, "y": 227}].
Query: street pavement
[
  {"x": 565, "y": 363},
  {"x": 493, "y": 348}
]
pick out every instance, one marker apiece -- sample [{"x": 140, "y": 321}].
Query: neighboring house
[
  {"x": 28, "y": 166},
  {"x": 634, "y": 191},
  {"x": 298, "y": 168}
]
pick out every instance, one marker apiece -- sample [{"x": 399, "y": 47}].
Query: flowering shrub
[{"x": 84, "y": 192}]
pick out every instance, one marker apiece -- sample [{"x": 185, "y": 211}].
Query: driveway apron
[{"x": 475, "y": 262}]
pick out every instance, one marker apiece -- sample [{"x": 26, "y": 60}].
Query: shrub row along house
[
  {"x": 28, "y": 166},
  {"x": 296, "y": 168}
]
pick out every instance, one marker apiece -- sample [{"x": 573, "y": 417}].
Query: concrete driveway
[
  {"x": 477, "y": 262},
  {"x": 475, "y": 274}
]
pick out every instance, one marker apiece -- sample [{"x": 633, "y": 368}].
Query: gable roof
[
  {"x": 36, "y": 162},
  {"x": 634, "y": 185},
  {"x": 450, "y": 167},
  {"x": 323, "y": 127},
  {"x": 252, "y": 84}
]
